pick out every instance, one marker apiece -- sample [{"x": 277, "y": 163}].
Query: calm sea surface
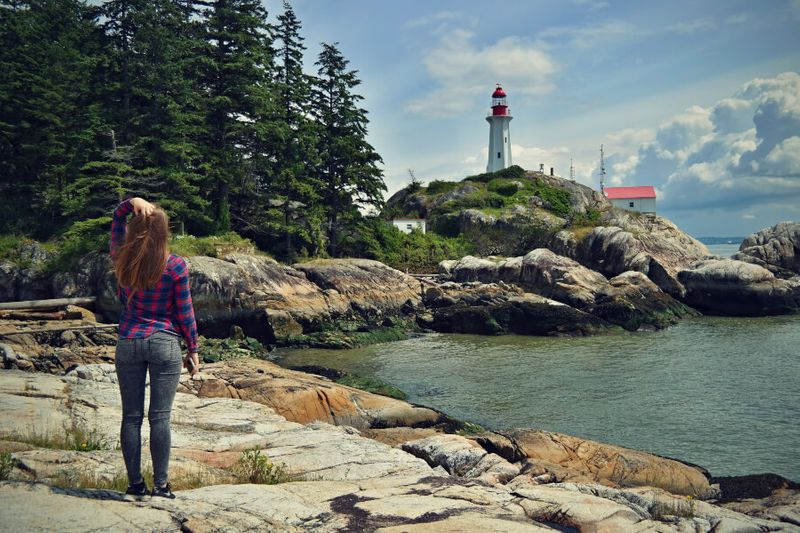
[{"x": 720, "y": 392}]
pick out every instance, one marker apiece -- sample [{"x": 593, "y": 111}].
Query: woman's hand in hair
[{"x": 142, "y": 207}]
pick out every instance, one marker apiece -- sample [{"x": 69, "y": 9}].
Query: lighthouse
[{"x": 499, "y": 136}]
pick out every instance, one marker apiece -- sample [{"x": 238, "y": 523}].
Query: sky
[{"x": 699, "y": 98}]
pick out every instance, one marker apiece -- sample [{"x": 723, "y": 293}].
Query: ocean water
[
  {"x": 723, "y": 393},
  {"x": 723, "y": 250}
]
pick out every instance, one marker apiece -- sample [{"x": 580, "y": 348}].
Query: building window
[
  {"x": 630, "y": 204},
  {"x": 498, "y": 155},
  {"x": 505, "y": 139},
  {"x": 408, "y": 226}
]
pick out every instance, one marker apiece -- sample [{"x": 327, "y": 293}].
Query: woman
[{"x": 157, "y": 311}]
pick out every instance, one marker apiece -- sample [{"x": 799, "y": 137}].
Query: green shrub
[
  {"x": 10, "y": 246},
  {"x": 7, "y": 464},
  {"x": 558, "y": 199},
  {"x": 470, "y": 428},
  {"x": 590, "y": 218},
  {"x": 253, "y": 467},
  {"x": 503, "y": 187},
  {"x": 416, "y": 251},
  {"x": 82, "y": 237},
  {"x": 441, "y": 186},
  {"x": 513, "y": 172},
  {"x": 212, "y": 246}
]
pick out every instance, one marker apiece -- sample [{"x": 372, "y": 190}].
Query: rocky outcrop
[
  {"x": 271, "y": 301},
  {"x": 492, "y": 309},
  {"x": 651, "y": 245},
  {"x": 303, "y": 398},
  {"x": 462, "y": 457},
  {"x": 629, "y": 300},
  {"x": 731, "y": 287},
  {"x": 339, "y": 480},
  {"x": 569, "y": 458},
  {"x": 776, "y": 249}
]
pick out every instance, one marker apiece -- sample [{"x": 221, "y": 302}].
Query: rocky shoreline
[
  {"x": 361, "y": 461},
  {"x": 356, "y": 461},
  {"x": 611, "y": 280}
]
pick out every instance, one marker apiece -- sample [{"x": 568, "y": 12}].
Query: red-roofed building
[{"x": 641, "y": 198}]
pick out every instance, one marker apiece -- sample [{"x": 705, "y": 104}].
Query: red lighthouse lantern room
[{"x": 499, "y": 105}]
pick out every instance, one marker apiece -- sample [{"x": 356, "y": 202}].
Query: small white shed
[
  {"x": 407, "y": 224},
  {"x": 641, "y": 198}
]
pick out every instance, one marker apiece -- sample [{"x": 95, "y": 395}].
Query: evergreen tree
[
  {"x": 156, "y": 101},
  {"x": 294, "y": 186},
  {"x": 348, "y": 163},
  {"x": 238, "y": 65},
  {"x": 50, "y": 121}
]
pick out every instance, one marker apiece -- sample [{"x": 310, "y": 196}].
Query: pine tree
[
  {"x": 50, "y": 121},
  {"x": 238, "y": 65},
  {"x": 294, "y": 187},
  {"x": 156, "y": 102},
  {"x": 348, "y": 163}
]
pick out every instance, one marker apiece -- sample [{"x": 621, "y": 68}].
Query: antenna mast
[
  {"x": 602, "y": 169},
  {"x": 571, "y": 170}
]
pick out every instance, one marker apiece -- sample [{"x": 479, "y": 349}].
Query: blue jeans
[{"x": 159, "y": 353}]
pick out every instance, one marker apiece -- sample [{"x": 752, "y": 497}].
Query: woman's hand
[
  {"x": 192, "y": 363},
  {"x": 142, "y": 207}
]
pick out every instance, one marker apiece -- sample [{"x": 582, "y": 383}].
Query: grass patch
[
  {"x": 441, "y": 186},
  {"x": 372, "y": 385},
  {"x": 513, "y": 172},
  {"x": 255, "y": 467},
  {"x": 469, "y": 428},
  {"x": 7, "y": 464},
  {"x": 214, "y": 350},
  {"x": 213, "y": 246},
  {"x": 73, "y": 438}
]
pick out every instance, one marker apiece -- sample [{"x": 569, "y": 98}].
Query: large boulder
[
  {"x": 491, "y": 309},
  {"x": 573, "y": 458},
  {"x": 302, "y": 397},
  {"x": 649, "y": 244},
  {"x": 272, "y": 301},
  {"x": 630, "y": 300},
  {"x": 776, "y": 248},
  {"x": 731, "y": 287}
]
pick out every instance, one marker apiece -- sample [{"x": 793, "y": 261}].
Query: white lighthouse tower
[{"x": 499, "y": 137}]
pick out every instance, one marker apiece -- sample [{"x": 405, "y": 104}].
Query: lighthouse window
[
  {"x": 505, "y": 139},
  {"x": 498, "y": 155}
]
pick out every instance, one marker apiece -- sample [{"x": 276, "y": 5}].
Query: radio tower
[
  {"x": 571, "y": 170},
  {"x": 602, "y": 169}
]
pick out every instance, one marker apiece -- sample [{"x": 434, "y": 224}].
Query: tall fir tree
[
  {"x": 348, "y": 163},
  {"x": 50, "y": 120},
  {"x": 238, "y": 65},
  {"x": 295, "y": 188}
]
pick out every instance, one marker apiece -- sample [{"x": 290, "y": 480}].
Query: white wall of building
[
  {"x": 642, "y": 205},
  {"x": 499, "y": 143},
  {"x": 407, "y": 224}
]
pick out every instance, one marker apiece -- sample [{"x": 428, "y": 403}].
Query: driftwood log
[
  {"x": 59, "y": 328},
  {"x": 46, "y": 304}
]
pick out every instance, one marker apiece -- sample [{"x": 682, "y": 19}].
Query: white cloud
[
  {"x": 465, "y": 73},
  {"x": 741, "y": 151},
  {"x": 427, "y": 20},
  {"x": 586, "y": 36}
]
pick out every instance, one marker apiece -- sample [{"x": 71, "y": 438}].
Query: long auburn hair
[{"x": 142, "y": 258}]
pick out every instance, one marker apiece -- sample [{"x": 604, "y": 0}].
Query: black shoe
[
  {"x": 164, "y": 492},
  {"x": 136, "y": 492}
]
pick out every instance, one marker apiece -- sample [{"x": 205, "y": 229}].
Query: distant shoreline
[{"x": 721, "y": 240}]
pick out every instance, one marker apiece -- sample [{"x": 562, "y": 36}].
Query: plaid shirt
[{"x": 166, "y": 307}]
